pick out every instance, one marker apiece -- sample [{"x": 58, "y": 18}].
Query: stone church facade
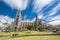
[{"x": 19, "y": 24}]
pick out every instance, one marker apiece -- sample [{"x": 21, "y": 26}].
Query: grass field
[
  {"x": 7, "y": 36},
  {"x": 22, "y": 33}
]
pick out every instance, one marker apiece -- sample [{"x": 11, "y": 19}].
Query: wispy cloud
[
  {"x": 6, "y": 19},
  {"x": 39, "y": 4},
  {"x": 53, "y": 18},
  {"x": 50, "y": 17},
  {"x": 57, "y": 22},
  {"x": 17, "y": 4},
  {"x": 56, "y": 17},
  {"x": 52, "y": 12},
  {"x": 1, "y": 24},
  {"x": 27, "y": 20},
  {"x": 40, "y": 16},
  {"x": 25, "y": 17}
]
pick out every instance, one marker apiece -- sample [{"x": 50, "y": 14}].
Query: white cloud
[
  {"x": 5, "y": 19},
  {"x": 52, "y": 12},
  {"x": 1, "y": 24},
  {"x": 57, "y": 22},
  {"x": 56, "y": 17},
  {"x": 29, "y": 20},
  {"x": 40, "y": 16},
  {"x": 17, "y": 4},
  {"x": 25, "y": 16},
  {"x": 39, "y": 4}
]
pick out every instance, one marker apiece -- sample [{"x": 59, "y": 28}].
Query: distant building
[
  {"x": 18, "y": 22},
  {"x": 58, "y": 27}
]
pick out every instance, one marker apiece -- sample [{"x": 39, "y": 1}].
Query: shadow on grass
[
  {"x": 32, "y": 35},
  {"x": 4, "y": 35},
  {"x": 38, "y": 35}
]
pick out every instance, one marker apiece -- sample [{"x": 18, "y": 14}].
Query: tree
[
  {"x": 0, "y": 28},
  {"x": 50, "y": 27},
  {"x": 9, "y": 28},
  {"x": 41, "y": 29},
  {"x": 30, "y": 27}
]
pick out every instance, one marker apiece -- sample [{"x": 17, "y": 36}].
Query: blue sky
[{"x": 48, "y": 10}]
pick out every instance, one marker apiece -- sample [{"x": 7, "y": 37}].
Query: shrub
[
  {"x": 41, "y": 29},
  {"x": 30, "y": 27}
]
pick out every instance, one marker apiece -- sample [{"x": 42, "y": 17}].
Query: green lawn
[
  {"x": 37, "y": 38},
  {"x": 23, "y": 33},
  {"x": 7, "y": 36},
  {"x": 32, "y": 38}
]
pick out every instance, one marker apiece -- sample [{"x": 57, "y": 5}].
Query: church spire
[
  {"x": 36, "y": 16},
  {"x": 18, "y": 13},
  {"x": 18, "y": 20}
]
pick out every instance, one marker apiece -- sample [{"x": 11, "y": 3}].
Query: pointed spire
[
  {"x": 18, "y": 13},
  {"x": 36, "y": 16},
  {"x": 18, "y": 20}
]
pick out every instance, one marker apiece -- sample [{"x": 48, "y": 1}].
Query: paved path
[{"x": 4, "y": 38}]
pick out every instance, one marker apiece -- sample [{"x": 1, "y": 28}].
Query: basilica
[{"x": 19, "y": 24}]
